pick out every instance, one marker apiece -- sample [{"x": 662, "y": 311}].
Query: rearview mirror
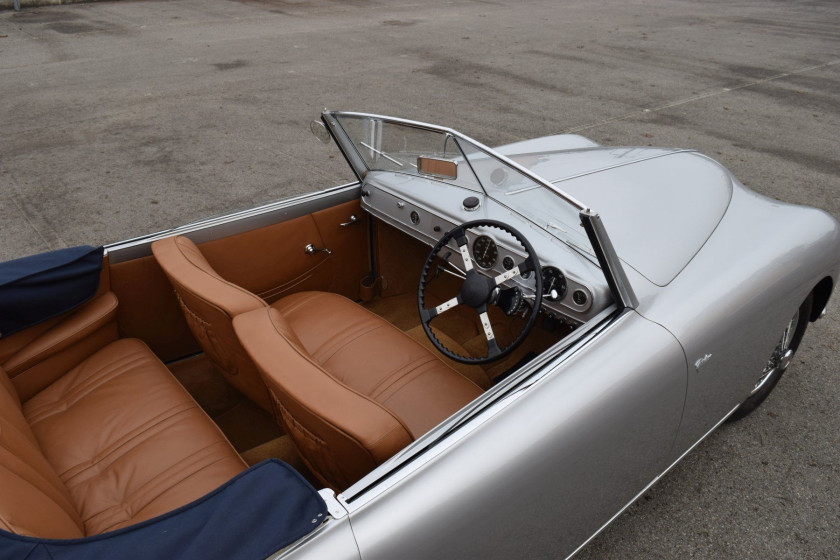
[
  {"x": 320, "y": 131},
  {"x": 442, "y": 168}
]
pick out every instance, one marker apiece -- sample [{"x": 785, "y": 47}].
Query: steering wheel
[{"x": 478, "y": 290}]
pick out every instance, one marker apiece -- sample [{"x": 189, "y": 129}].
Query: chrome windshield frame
[
  {"x": 608, "y": 259},
  {"x": 328, "y": 116}
]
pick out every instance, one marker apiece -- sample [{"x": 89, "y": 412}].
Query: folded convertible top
[
  {"x": 39, "y": 287},
  {"x": 255, "y": 514}
]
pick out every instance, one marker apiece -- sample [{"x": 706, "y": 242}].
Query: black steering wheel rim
[{"x": 475, "y": 297}]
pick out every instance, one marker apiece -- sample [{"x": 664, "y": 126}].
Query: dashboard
[{"x": 573, "y": 287}]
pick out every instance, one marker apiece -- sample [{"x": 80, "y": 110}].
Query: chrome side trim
[
  {"x": 610, "y": 264},
  {"x": 224, "y": 225},
  {"x": 652, "y": 482}
]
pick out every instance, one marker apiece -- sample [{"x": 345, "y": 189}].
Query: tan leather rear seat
[{"x": 114, "y": 441}]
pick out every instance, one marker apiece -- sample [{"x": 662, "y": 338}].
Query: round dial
[
  {"x": 485, "y": 251},
  {"x": 554, "y": 284},
  {"x": 508, "y": 263}
]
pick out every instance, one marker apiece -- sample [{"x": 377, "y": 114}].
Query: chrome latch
[
  {"x": 311, "y": 250},
  {"x": 354, "y": 219}
]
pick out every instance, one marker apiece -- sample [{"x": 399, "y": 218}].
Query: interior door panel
[{"x": 269, "y": 261}]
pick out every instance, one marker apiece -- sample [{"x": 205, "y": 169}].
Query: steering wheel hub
[{"x": 477, "y": 289}]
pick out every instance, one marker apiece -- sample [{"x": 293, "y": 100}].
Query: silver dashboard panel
[{"x": 438, "y": 207}]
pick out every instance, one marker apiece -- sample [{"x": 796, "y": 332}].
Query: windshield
[
  {"x": 374, "y": 143},
  {"x": 389, "y": 146}
]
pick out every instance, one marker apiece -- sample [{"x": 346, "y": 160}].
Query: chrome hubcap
[{"x": 782, "y": 355}]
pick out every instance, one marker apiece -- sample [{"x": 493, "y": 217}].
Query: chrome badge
[{"x": 702, "y": 361}]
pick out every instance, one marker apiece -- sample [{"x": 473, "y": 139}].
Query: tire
[{"x": 776, "y": 364}]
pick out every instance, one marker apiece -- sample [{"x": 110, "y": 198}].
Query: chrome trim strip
[
  {"x": 654, "y": 481},
  {"x": 224, "y": 225},
  {"x": 490, "y": 151},
  {"x": 448, "y": 432},
  {"x": 610, "y": 264},
  {"x": 622, "y": 164}
]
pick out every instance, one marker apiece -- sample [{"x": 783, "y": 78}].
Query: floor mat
[{"x": 280, "y": 448}]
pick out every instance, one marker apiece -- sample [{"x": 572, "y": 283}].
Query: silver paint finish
[
  {"x": 736, "y": 296},
  {"x": 333, "y": 541},
  {"x": 553, "y": 143},
  {"x": 553, "y": 464},
  {"x": 659, "y": 212}
]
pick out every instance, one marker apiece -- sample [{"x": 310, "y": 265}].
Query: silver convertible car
[{"x": 462, "y": 353}]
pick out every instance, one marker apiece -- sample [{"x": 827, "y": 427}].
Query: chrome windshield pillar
[{"x": 611, "y": 266}]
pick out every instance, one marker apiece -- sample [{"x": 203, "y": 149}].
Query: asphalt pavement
[{"x": 122, "y": 118}]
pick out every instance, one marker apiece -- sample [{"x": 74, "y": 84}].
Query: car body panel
[
  {"x": 333, "y": 540},
  {"x": 553, "y": 465},
  {"x": 659, "y": 206},
  {"x": 733, "y": 300}
]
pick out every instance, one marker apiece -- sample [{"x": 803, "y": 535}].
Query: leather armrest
[{"x": 80, "y": 324}]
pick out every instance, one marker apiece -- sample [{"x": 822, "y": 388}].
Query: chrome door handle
[
  {"x": 354, "y": 219},
  {"x": 311, "y": 250}
]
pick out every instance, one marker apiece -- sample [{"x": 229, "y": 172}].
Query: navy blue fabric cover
[
  {"x": 37, "y": 288},
  {"x": 255, "y": 514}
]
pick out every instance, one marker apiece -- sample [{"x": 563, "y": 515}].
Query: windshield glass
[
  {"x": 382, "y": 144},
  {"x": 540, "y": 204},
  {"x": 389, "y": 146}
]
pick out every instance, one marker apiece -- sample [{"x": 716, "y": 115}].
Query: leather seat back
[
  {"x": 209, "y": 303},
  {"x": 35, "y": 501},
  {"x": 341, "y": 434}
]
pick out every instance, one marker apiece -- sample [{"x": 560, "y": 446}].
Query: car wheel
[{"x": 779, "y": 360}]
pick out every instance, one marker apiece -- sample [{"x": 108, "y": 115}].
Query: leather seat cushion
[
  {"x": 375, "y": 358},
  {"x": 127, "y": 440}
]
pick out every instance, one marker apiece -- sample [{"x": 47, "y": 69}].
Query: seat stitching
[
  {"x": 309, "y": 359},
  {"x": 335, "y": 345},
  {"x": 121, "y": 443},
  {"x": 198, "y": 255},
  {"x": 95, "y": 380},
  {"x": 399, "y": 374},
  {"x": 192, "y": 460},
  {"x": 296, "y": 305}
]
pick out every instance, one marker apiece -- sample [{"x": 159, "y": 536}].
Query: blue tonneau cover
[
  {"x": 39, "y": 287},
  {"x": 252, "y": 516}
]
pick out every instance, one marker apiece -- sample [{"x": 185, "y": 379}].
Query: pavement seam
[{"x": 670, "y": 104}]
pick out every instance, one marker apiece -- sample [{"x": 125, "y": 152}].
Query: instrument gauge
[
  {"x": 553, "y": 284},
  {"x": 485, "y": 252}
]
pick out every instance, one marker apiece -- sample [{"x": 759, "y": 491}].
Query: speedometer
[
  {"x": 553, "y": 283},
  {"x": 485, "y": 251}
]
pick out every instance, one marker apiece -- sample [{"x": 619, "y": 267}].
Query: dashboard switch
[{"x": 471, "y": 203}]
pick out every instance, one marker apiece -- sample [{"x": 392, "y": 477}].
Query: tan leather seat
[
  {"x": 209, "y": 303},
  {"x": 114, "y": 441},
  {"x": 350, "y": 388}
]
